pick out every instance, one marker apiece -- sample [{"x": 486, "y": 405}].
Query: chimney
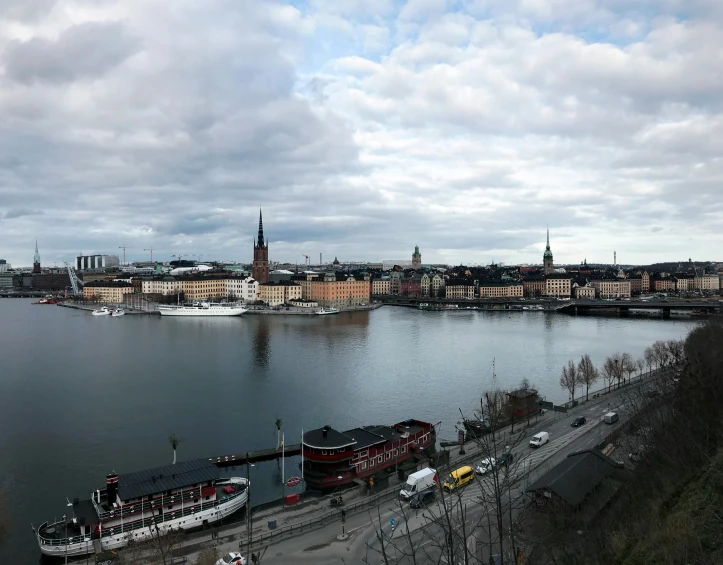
[
  {"x": 325, "y": 431},
  {"x": 111, "y": 483}
]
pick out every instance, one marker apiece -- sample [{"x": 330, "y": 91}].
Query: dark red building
[{"x": 260, "y": 267}]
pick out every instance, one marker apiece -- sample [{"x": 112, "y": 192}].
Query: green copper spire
[{"x": 36, "y": 259}]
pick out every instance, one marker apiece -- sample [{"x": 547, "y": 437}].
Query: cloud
[
  {"x": 87, "y": 50},
  {"x": 364, "y": 128},
  {"x": 14, "y": 213}
]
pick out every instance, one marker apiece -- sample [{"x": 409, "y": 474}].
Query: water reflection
[{"x": 261, "y": 346}]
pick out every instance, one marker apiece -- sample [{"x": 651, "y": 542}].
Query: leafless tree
[
  {"x": 649, "y": 357},
  {"x": 174, "y": 440},
  {"x": 627, "y": 364},
  {"x": 640, "y": 365},
  {"x": 569, "y": 378},
  {"x": 587, "y": 373}
]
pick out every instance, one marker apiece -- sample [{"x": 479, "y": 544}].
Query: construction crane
[
  {"x": 151, "y": 250},
  {"x": 307, "y": 259},
  {"x": 123, "y": 247},
  {"x": 75, "y": 282}
]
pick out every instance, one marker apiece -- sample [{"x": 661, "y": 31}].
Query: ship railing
[
  {"x": 136, "y": 507},
  {"x": 141, "y": 523}
]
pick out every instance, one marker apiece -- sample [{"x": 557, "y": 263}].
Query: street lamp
[
  {"x": 343, "y": 535},
  {"x": 248, "y": 509}
]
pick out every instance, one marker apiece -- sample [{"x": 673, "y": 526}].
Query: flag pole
[
  {"x": 283, "y": 462},
  {"x": 303, "y": 480}
]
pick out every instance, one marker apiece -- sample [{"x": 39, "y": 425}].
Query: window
[
  {"x": 363, "y": 465},
  {"x": 380, "y": 459},
  {"x": 389, "y": 455}
]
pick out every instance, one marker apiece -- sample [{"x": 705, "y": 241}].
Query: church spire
[
  {"x": 548, "y": 238},
  {"x": 260, "y": 237},
  {"x": 36, "y": 258}
]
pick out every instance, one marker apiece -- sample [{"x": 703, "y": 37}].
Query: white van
[
  {"x": 611, "y": 417},
  {"x": 418, "y": 482},
  {"x": 540, "y": 439}
]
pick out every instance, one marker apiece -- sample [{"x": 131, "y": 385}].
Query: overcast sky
[{"x": 363, "y": 128}]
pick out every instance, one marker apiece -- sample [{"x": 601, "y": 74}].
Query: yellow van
[{"x": 459, "y": 478}]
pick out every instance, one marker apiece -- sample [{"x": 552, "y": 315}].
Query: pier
[{"x": 236, "y": 459}]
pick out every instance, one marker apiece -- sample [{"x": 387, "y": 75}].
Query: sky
[{"x": 362, "y": 128}]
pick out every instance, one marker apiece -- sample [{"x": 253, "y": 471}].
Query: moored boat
[
  {"x": 183, "y": 496},
  {"x": 203, "y": 309},
  {"x": 118, "y": 312},
  {"x": 326, "y": 311},
  {"x": 104, "y": 311},
  {"x": 333, "y": 458}
]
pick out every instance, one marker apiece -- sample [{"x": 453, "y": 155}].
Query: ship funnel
[
  {"x": 325, "y": 431},
  {"x": 111, "y": 483}
]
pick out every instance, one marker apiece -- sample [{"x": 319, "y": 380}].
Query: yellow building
[
  {"x": 611, "y": 288},
  {"x": 534, "y": 287},
  {"x": 107, "y": 291},
  {"x": 501, "y": 291},
  {"x": 381, "y": 286},
  {"x": 278, "y": 293},
  {"x": 459, "y": 291},
  {"x": 204, "y": 288},
  {"x": 585, "y": 291},
  {"x": 558, "y": 285}
]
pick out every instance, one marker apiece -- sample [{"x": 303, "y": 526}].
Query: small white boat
[
  {"x": 105, "y": 311},
  {"x": 118, "y": 312},
  {"x": 326, "y": 311}
]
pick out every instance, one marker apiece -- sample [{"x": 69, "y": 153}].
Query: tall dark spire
[
  {"x": 260, "y": 237},
  {"x": 548, "y": 238}
]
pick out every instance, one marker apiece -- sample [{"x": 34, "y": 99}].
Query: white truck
[{"x": 418, "y": 482}]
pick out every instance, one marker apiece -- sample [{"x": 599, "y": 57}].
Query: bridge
[{"x": 572, "y": 306}]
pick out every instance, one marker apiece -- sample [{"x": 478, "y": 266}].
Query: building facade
[
  {"x": 611, "y": 288},
  {"x": 164, "y": 286},
  {"x": 246, "y": 289},
  {"x": 662, "y": 284},
  {"x": 412, "y": 286},
  {"x": 457, "y": 290},
  {"x": 534, "y": 288},
  {"x": 107, "y": 291},
  {"x": 705, "y": 282},
  {"x": 380, "y": 286},
  {"x": 416, "y": 258},
  {"x": 329, "y": 291},
  {"x": 501, "y": 291},
  {"x": 260, "y": 267},
  {"x": 89, "y": 262},
  {"x": 278, "y": 293},
  {"x": 558, "y": 286},
  {"x": 204, "y": 288},
  {"x": 586, "y": 291}
]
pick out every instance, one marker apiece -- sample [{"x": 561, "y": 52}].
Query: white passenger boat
[
  {"x": 203, "y": 309},
  {"x": 184, "y": 496},
  {"x": 118, "y": 312},
  {"x": 326, "y": 311},
  {"x": 105, "y": 311}
]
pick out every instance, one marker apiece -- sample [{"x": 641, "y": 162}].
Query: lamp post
[
  {"x": 343, "y": 535},
  {"x": 248, "y": 509}
]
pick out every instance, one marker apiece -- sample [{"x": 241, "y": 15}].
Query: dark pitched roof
[
  {"x": 333, "y": 439},
  {"x": 576, "y": 476},
  {"x": 85, "y": 512},
  {"x": 364, "y": 438},
  {"x": 168, "y": 477}
]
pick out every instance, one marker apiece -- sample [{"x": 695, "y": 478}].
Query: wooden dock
[{"x": 237, "y": 459}]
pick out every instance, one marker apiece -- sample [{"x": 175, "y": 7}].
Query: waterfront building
[
  {"x": 683, "y": 283},
  {"x": 704, "y": 281},
  {"x": 436, "y": 285},
  {"x": 459, "y": 289},
  {"x": 107, "y": 291},
  {"x": 204, "y": 288},
  {"x": 36, "y": 259},
  {"x": 380, "y": 286},
  {"x": 662, "y": 284},
  {"x": 6, "y": 279},
  {"x": 586, "y": 291},
  {"x": 411, "y": 286},
  {"x": 500, "y": 290},
  {"x": 645, "y": 284},
  {"x": 337, "y": 290},
  {"x": 547, "y": 263},
  {"x": 246, "y": 289},
  {"x": 558, "y": 285},
  {"x": 395, "y": 283},
  {"x": 612, "y": 288},
  {"x": 278, "y": 293},
  {"x": 86, "y": 262},
  {"x": 534, "y": 287},
  {"x": 164, "y": 286},
  {"x": 416, "y": 258},
  {"x": 260, "y": 267}
]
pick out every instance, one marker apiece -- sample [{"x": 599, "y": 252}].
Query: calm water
[{"x": 80, "y": 395}]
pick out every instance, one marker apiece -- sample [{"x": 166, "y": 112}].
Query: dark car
[
  {"x": 579, "y": 421},
  {"x": 505, "y": 459},
  {"x": 422, "y": 499}
]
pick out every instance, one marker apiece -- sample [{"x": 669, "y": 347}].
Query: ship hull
[{"x": 202, "y": 312}]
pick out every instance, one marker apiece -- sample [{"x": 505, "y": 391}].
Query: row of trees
[{"x": 616, "y": 367}]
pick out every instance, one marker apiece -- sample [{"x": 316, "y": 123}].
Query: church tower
[
  {"x": 260, "y": 268},
  {"x": 36, "y": 259},
  {"x": 416, "y": 258},
  {"x": 547, "y": 257}
]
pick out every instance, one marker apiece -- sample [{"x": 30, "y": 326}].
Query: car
[
  {"x": 422, "y": 499},
  {"x": 485, "y": 466},
  {"x": 505, "y": 459},
  {"x": 232, "y": 558},
  {"x": 579, "y": 421}
]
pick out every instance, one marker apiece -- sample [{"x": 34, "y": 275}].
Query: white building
[
  {"x": 245, "y": 289},
  {"x": 88, "y": 262}
]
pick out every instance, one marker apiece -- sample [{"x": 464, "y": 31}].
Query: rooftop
[
  {"x": 332, "y": 440},
  {"x": 168, "y": 477}
]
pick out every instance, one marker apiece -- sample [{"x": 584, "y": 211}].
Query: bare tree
[
  {"x": 676, "y": 350},
  {"x": 587, "y": 373},
  {"x": 640, "y": 365},
  {"x": 569, "y": 379},
  {"x": 649, "y": 357},
  {"x": 627, "y": 365}
]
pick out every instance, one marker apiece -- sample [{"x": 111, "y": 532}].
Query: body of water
[{"x": 81, "y": 395}]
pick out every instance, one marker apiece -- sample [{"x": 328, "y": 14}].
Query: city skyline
[{"x": 362, "y": 129}]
